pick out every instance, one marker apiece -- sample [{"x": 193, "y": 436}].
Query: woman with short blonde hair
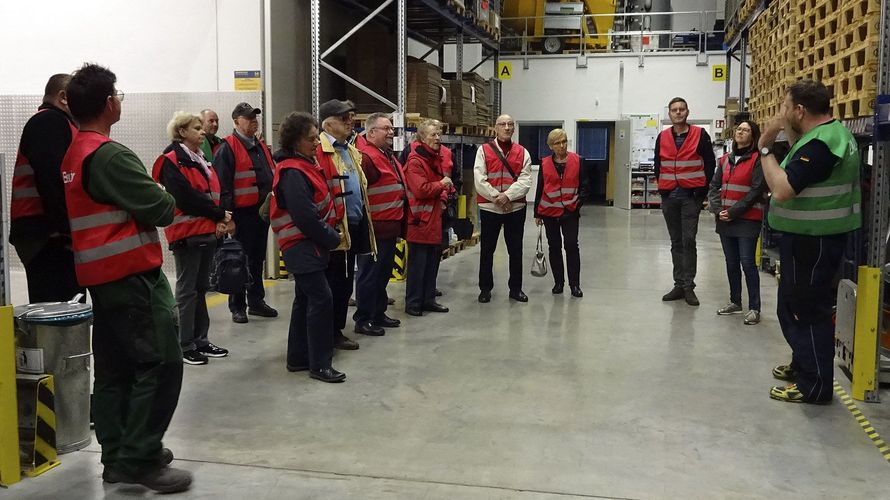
[
  {"x": 557, "y": 208},
  {"x": 198, "y": 222}
]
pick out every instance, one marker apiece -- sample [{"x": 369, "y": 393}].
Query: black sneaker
[
  {"x": 213, "y": 351},
  {"x": 676, "y": 293},
  {"x": 194, "y": 357}
]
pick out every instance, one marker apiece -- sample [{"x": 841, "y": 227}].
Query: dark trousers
[
  {"x": 138, "y": 369},
  {"x": 568, "y": 227},
  {"x": 50, "y": 274},
  {"x": 514, "y": 227},
  {"x": 192, "y": 280},
  {"x": 739, "y": 254},
  {"x": 309, "y": 341},
  {"x": 341, "y": 276},
  {"x": 681, "y": 218},
  {"x": 805, "y": 301},
  {"x": 252, "y": 232},
  {"x": 423, "y": 268},
  {"x": 371, "y": 281}
]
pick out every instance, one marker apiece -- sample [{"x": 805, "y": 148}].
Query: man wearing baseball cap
[
  {"x": 342, "y": 164},
  {"x": 245, "y": 169}
]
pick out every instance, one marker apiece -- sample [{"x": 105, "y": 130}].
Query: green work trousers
[{"x": 138, "y": 369}]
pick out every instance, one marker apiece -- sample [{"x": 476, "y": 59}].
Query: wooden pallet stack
[
  {"x": 832, "y": 41},
  {"x": 459, "y": 107},
  {"x": 424, "y": 89}
]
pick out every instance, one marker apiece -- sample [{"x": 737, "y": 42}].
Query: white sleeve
[{"x": 480, "y": 177}]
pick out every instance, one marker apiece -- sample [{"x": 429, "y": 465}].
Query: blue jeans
[{"x": 739, "y": 253}]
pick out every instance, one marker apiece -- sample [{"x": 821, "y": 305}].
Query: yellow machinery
[{"x": 552, "y": 23}]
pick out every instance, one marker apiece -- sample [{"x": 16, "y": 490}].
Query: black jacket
[
  {"x": 45, "y": 140},
  {"x": 294, "y": 193}
]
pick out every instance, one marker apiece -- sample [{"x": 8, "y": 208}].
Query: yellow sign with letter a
[{"x": 505, "y": 70}]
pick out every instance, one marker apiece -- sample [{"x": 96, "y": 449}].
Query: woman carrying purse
[{"x": 557, "y": 208}]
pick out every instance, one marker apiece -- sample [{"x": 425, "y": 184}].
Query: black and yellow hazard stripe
[
  {"x": 401, "y": 261},
  {"x": 863, "y": 422},
  {"x": 282, "y": 269},
  {"x": 44, "y": 455}
]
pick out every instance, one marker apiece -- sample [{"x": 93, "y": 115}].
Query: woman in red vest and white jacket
[
  {"x": 557, "y": 204},
  {"x": 736, "y": 197},
  {"x": 197, "y": 223}
]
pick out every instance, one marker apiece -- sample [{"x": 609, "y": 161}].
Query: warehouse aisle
[{"x": 616, "y": 395}]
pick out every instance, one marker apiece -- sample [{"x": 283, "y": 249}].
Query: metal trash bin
[{"x": 54, "y": 337}]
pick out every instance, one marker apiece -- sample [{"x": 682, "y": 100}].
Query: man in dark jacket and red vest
[
  {"x": 244, "y": 166},
  {"x": 38, "y": 217},
  {"x": 684, "y": 165},
  {"x": 388, "y": 205},
  {"x": 114, "y": 207}
]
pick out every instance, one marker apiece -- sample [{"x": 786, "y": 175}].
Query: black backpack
[{"x": 230, "y": 273}]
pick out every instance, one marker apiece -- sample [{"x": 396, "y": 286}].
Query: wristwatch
[{"x": 765, "y": 151}]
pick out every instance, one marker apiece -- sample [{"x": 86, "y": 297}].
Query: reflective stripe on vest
[
  {"x": 108, "y": 244},
  {"x": 832, "y": 206},
  {"x": 680, "y": 168},
  {"x": 560, "y": 193},
  {"x": 245, "y": 190}
]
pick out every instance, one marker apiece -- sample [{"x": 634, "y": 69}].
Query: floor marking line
[{"x": 863, "y": 422}]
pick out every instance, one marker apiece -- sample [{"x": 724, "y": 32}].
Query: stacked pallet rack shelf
[
  {"x": 845, "y": 44},
  {"x": 434, "y": 23}
]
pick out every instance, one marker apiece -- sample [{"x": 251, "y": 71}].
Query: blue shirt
[{"x": 351, "y": 184}]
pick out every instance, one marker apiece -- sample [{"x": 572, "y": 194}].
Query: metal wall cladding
[{"x": 143, "y": 128}]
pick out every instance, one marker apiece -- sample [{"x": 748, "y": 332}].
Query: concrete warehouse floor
[{"x": 616, "y": 395}]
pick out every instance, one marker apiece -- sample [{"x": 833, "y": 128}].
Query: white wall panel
[{"x": 157, "y": 46}]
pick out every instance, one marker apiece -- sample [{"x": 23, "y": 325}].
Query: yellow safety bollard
[
  {"x": 10, "y": 471},
  {"x": 399, "y": 269},
  {"x": 865, "y": 334}
]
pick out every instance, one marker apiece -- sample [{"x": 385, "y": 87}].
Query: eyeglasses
[
  {"x": 119, "y": 95},
  {"x": 505, "y": 124},
  {"x": 560, "y": 143},
  {"x": 385, "y": 129}
]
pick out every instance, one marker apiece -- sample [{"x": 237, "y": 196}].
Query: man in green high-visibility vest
[{"x": 815, "y": 204}]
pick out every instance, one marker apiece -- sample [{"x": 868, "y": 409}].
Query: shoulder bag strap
[{"x": 500, "y": 154}]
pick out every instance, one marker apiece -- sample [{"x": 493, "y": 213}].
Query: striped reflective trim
[
  {"x": 245, "y": 174},
  {"x": 100, "y": 219},
  {"x": 214, "y": 196},
  {"x": 547, "y": 204},
  {"x": 22, "y": 170},
  {"x": 384, "y": 189},
  {"x": 500, "y": 175},
  {"x": 386, "y": 206},
  {"x": 820, "y": 191},
  {"x": 737, "y": 187},
  {"x": 333, "y": 182},
  {"x": 247, "y": 190},
  {"x": 728, "y": 203},
  {"x": 30, "y": 192},
  {"x": 116, "y": 247},
  {"x": 691, "y": 175},
  {"x": 834, "y": 213},
  {"x": 682, "y": 163},
  {"x": 288, "y": 232},
  {"x": 568, "y": 190},
  {"x": 280, "y": 221},
  {"x": 573, "y": 199},
  {"x": 421, "y": 208},
  {"x": 185, "y": 218},
  {"x": 553, "y": 194}
]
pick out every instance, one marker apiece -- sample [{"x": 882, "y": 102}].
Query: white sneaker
[
  {"x": 729, "y": 309},
  {"x": 752, "y": 317}
]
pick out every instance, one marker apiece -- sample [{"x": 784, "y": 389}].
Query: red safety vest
[
  {"x": 26, "y": 200},
  {"x": 245, "y": 189},
  {"x": 683, "y": 168},
  {"x": 737, "y": 183},
  {"x": 386, "y": 196},
  {"x": 108, "y": 243},
  {"x": 326, "y": 161},
  {"x": 185, "y": 226},
  {"x": 498, "y": 176},
  {"x": 560, "y": 194},
  {"x": 282, "y": 223}
]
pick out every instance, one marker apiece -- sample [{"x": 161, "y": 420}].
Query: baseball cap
[{"x": 245, "y": 110}]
